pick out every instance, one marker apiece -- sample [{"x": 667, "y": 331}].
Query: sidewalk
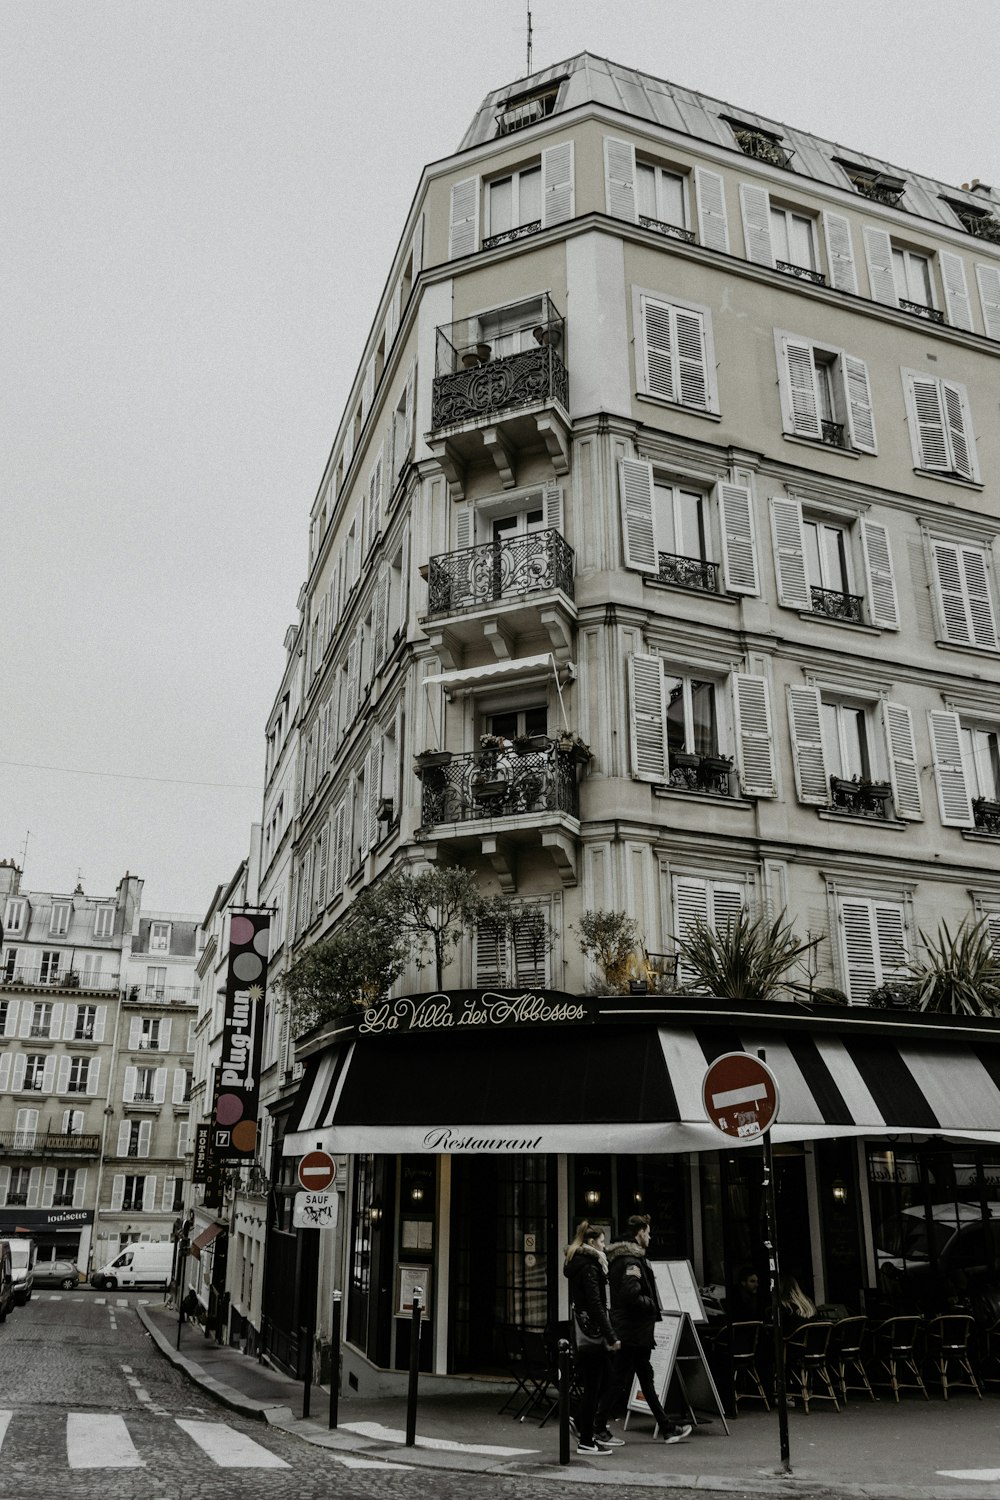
[{"x": 931, "y": 1450}]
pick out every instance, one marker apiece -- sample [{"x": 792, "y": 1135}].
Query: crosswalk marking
[
  {"x": 229, "y": 1449},
  {"x": 99, "y": 1442}
]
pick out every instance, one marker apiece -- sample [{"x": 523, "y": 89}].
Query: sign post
[
  {"x": 740, "y": 1095},
  {"x": 314, "y": 1209}
]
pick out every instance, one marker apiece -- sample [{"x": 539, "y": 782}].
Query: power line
[{"x": 30, "y": 765}]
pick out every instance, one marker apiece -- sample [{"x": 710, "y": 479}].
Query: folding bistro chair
[
  {"x": 542, "y": 1374},
  {"x": 948, "y": 1351},
  {"x": 807, "y": 1363},
  {"x": 896, "y": 1354},
  {"x": 739, "y": 1343},
  {"x": 512, "y": 1345},
  {"x": 847, "y": 1356}
]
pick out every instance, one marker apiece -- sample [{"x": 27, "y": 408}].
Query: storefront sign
[
  {"x": 443, "y": 1138},
  {"x": 237, "y": 1084},
  {"x": 482, "y": 1010},
  {"x": 13, "y": 1219},
  {"x": 202, "y": 1150}
]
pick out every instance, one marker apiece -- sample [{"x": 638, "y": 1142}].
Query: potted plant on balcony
[
  {"x": 714, "y": 769},
  {"x": 428, "y": 759},
  {"x": 986, "y": 814},
  {"x": 574, "y": 746},
  {"x": 524, "y": 744},
  {"x": 548, "y": 336}
]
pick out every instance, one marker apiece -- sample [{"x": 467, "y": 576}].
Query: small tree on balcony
[
  {"x": 521, "y": 934},
  {"x": 349, "y": 971},
  {"x": 960, "y": 975},
  {"x": 746, "y": 958},
  {"x": 609, "y": 938},
  {"x": 432, "y": 913}
]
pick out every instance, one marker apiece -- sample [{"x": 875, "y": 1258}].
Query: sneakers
[
  {"x": 608, "y": 1437},
  {"x": 672, "y": 1434},
  {"x": 594, "y": 1449}
]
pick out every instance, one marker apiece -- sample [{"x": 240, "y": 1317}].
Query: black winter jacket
[
  {"x": 588, "y": 1292},
  {"x": 635, "y": 1301}
]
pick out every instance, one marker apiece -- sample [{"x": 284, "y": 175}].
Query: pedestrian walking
[
  {"x": 635, "y": 1311},
  {"x": 586, "y": 1269}
]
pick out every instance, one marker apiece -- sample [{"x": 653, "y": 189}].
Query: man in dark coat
[{"x": 635, "y": 1311}]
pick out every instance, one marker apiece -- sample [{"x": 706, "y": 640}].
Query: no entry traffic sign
[
  {"x": 741, "y": 1096},
  {"x": 317, "y": 1169}
]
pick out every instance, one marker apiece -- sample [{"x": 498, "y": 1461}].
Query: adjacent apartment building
[
  {"x": 654, "y": 569},
  {"x": 97, "y": 1006}
]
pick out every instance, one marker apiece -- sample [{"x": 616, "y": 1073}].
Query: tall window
[
  {"x": 680, "y": 521},
  {"x": 159, "y": 937},
  {"x": 981, "y": 758},
  {"x": 86, "y": 1022},
  {"x": 34, "y": 1071},
  {"x": 65, "y": 1186},
  {"x": 793, "y": 238},
  {"x": 79, "y": 1075},
  {"x": 41, "y": 1019},
  {"x": 826, "y": 556},
  {"x": 692, "y": 723},
  {"x": 514, "y": 202},
  {"x": 133, "y": 1196},
  {"x": 15, "y": 918},
  {"x": 660, "y": 195},
  {"x": 156, "y": 983},
  {"x": 847, "y": 741},
  {"x": 912, "y": 275},
  {"x": 59, "y": 920},
  {"x": 17, "y": 1190},
  {"x": 104, "y": 922},
  {"x": 48, "y": 971}
]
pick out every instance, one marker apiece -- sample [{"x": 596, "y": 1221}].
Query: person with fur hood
[
  {"x": 635, "y": 1311},
  {"x": 586, "y": 1269}
]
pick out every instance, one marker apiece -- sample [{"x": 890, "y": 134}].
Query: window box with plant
[
  {"x": 858, "y": 795},
  {"x": 428, "y": 759},
  {"x": 986, "y": 814}
]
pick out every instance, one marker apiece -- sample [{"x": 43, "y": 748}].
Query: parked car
[
  {"x": 6, "y": 1281},
  {"x": 62, "y": 1273},
  {"x": 22, "y": 1259}
]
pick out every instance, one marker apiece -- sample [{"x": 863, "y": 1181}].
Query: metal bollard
[
  {"x": 565, "y": 1365},
  {"x": 335, "y": 1360},
  {"x": 411, "y": 1390}
]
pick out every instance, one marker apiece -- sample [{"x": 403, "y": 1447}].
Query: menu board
[{"x": 678, "y": 1290}]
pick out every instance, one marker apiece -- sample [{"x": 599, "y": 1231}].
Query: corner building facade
[{"x": 673, "y": 436}]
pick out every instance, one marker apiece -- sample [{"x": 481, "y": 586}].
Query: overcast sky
[{"x": 199, "y": 201}]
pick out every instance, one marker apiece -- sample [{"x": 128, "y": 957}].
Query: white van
[
  {"x": 140, "y": 1264},
  {"x": 22, "y": 1259}
]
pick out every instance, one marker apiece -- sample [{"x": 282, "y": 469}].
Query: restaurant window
[{"x": 367, "y": 1219}]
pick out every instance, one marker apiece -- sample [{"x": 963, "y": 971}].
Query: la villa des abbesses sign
[{"x": 465, "y": 1010}]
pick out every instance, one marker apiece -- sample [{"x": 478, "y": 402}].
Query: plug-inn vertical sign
[{"x": 237, "y": 1081}]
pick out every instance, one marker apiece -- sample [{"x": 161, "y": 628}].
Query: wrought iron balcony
[
  {"x": 29, "y": 978},
  {"x": 986, "y": 815},
  {"x": 930, "y": 314},
  {"x": 879, "y": 191},
  {"x": 689, "y": 572},
  {"x": 489, "y": 364},
  {"x": 833, "y": 433},
  {"x": 671, "y": 231},
  {"x": 862, "y": 799},
  {"x": 979, "y": 222},
  {"x": 836, "y": 605},
  {"x": 701, "y": 773},
  {"x": 499, "y": 784},
  {"x": 804, "y": 273},
  {"x": 48, "y": 1143},
  {"x": 764, "y": 147},
  {"x": 509, "y": 236},
  {"x": 495, "y": 571}
]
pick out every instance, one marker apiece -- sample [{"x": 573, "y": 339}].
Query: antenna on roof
[
  {"x": 24, "y": 848},
  {"x": 528, "y": 74}
]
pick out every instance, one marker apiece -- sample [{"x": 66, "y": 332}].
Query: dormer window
[
  {"x": 881, "y": 187},
  {"x": 975, "y": 220},
  {"x": 520, "y": 112},
  {"x": 761, "y": 144}
]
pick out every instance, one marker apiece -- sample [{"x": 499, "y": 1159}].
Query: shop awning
[
  {"x": 205, "y": 1238},
  {"x": 599, "y": 1089}
]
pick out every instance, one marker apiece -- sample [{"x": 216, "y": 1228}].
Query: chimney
[{"x": 10, "y": 878}]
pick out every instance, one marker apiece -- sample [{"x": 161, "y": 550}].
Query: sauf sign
[{"x": 237, "y": 1085}]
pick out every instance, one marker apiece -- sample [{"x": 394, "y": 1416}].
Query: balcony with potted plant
[
  {"x": 986, "y": 815},
  {"x": 859, "y": 797},
  {"x": 709, "y": 774}
]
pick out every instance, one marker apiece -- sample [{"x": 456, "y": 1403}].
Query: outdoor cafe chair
[
  {"x": 948, "y": 1351},
  {"x": 896, "y": 1354},
  {"x": 739, "y": 1343},
  {"x": 847, "y": 1356},
  {"x": 512, "y": 1345},
  {"x": 541, "y": 1370},
  {"x": 807, "y": 1362}
]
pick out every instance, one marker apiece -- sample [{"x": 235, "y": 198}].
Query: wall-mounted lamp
[
  {"x": 637, "y": 1199},
  {"x": 375, "y": 1213},
  {"x": 417, "y": 1193},
  {"x": 839, "y": 1190},
  {"x": 592, "y": 1197}
]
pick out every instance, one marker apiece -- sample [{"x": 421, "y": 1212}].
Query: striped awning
[
  {"x": 613, "y": 1088},
  {"x": 205, "y": 1238}
]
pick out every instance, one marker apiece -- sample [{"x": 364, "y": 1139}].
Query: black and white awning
[{"x": 637, "y": 1087}]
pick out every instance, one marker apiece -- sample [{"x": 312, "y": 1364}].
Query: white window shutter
[
  {"x": 799, "y": 376},
  {"x": 128, "y": 1092},
  {"x": 24, "y": 1030},
  {"x": 956, "y": 291},
  {"x": 180, "y": 1085},
  {"x": 977, "y": 590},
  {"x": 964, "y": 596},
  {"x": 860, "y": 959},
  {"x": 338, "y": 850},
  {"x": 690, "y": 909},
  {"x": 989, "y": 297},
  {"x": 55, "y": 1021},
  {"x": 69, "y": 1021},
  {"x": 4, "y": 1185},
  {"x": 840, "y": 253},
  {"x": 79, "y": 1187},
  {"x": 904, "y": 773},
  {"x": 159, "y": 1085},
  {"x": 789, "y": 553},
  {"x": 463, "y": 236},
  {"x": 62, "y": 1083},
  {"x": 10, "y": 1022},
  {"x": 49, "y": 1074},
  {"x": 165, "y": 1036},
  {"x": 755, "y": 205},
  {"x": 739, "y": 545},
  {"x": 124, "y": 1133},
  {"x": 373, "y": 791},
  {"x": 959, "y": 429},
  {"x": 411, "y": 381},
  {"x": 754, "y": 744},
  {"x": 552, "y": 501},
  {"x": 878, "y": 253},
  {"x": 882, "y": 601},
  {"x": 811, "y": 781},
  {"x": 49, "y": 1187},
  {"x": 20, "y": 1066},
  {"x": 648, "y": 718},
  {"x": 710, "y": 194},
  {"x": 368, "y": 388},
  {"x": 417, "y": 248},
  {"x": 890, "y": 935},
  {"x": 659, "y": 358},
  {"x": 727, "y": 901},
  {"x": 619, "y": 179},
  {"x": 692, "y": 360},
  {"x": 993, "y": 928},
  {"x": 5, "y": 1062},
  {"x": 34, "y": 1183},
  {"x": 557, "y": 184},
  {"x": 183, "y": 1131},
  {"x": 134, "y": 1033},
  {"x": 145, "y": 1132},
  {"x": 167, "y": 1198},
  {"x": 149, "y": 1195},
  {"x": 100, "y": 1019},
  {"x": 117, "y": 1192},
  {"x": 94, "y": 1075},
  {"x": 380, "y": 623},
  {"x": 954, "y": 801},
  {"x": 638, "y": 535},
  {"x": 860, "y": 411},
  {"x": 931, "y": 450}
]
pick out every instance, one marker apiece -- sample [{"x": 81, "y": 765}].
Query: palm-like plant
[
  {"x": 960, "y": 975},
  {"x": 747, "y": 958}
]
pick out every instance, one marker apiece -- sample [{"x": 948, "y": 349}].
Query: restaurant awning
[
  {"x": 611, "y": 1088},
  {"x": 205, "y": 1238}
]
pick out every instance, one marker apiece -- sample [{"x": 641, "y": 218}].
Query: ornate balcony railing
[
  {"x": 863, "y": 799},
  {"x": 833, "y": 433},
  {"x": 804, "y": 273},
  {"x": 983, "y": 225},
  {"x": 493, "y": 571},
  {"x": 70, "y": 979},
  {"x": 499, "y": 784},
  {"x": 986, "y": 815},
  {"x": 763, "y": 147},
  {"x": 689, "y": 572},
  {"x": 499, "y": 385},
  {"x": 162, "y": 994},
  {"x": 508, "y": 236},
  {"x": 48, "y": 1143},
  {"x": 835, "y": 605},
  {"x": 930, "y": 314},
  {"x": 701, "y": 773},
  {"x": 671, "y": 231},
  {"x": 879, "y": 192}
]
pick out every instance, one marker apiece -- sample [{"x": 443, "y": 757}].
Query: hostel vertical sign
[{"x": 237, "y": 1081}]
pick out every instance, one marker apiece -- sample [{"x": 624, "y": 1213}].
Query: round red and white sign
[
  {"x": 741, "y": 1096},
  {"x": 317, "y": 1170}
]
